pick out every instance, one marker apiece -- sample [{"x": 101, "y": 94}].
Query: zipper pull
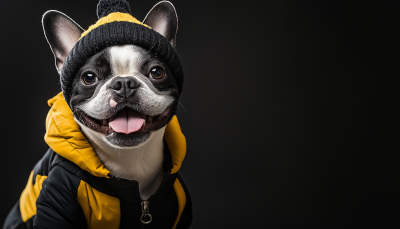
[{"x": 145, "y": 212}]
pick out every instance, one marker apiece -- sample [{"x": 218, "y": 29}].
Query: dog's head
[{"x": 123, "y": 93}]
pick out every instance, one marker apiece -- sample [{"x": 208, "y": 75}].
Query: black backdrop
[{"x": 290, "y": 108}]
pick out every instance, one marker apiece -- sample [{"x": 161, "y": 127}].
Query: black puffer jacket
[{"x": 71, "y": 188}]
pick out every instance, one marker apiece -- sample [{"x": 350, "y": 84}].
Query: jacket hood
[{"x": 64, "y": 136}]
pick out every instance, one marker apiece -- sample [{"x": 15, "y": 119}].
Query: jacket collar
[{"x": 64, "y": 136}]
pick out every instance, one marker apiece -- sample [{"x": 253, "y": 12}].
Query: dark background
[{"x": 291, "y": 118}]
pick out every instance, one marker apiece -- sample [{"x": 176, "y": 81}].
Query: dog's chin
[
  {"x": 124, "y": 140},
  {"x": 118, "y": 140}
]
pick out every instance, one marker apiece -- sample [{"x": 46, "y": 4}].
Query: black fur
[
  {"x": 99, "y": 65},
  {"x": 105, "y": 7}
]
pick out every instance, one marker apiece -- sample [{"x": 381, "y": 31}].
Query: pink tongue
[{"x": 127, "y": 121}]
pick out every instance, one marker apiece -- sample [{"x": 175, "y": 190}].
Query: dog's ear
[
  {"x": 62, "y": 33},
  {"x": 163, "y": 19}
]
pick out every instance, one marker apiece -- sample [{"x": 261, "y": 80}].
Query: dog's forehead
[{"x": 126, "y": 59}]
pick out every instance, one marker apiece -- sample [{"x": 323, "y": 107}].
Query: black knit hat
[{"x": 116, "y": 26}]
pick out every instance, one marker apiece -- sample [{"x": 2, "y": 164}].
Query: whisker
[
  {"x": 151, "y": 48},
  {"x": 182, "y": 106}
]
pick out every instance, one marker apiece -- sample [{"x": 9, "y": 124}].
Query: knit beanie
[{"x": 116, "y": 26}]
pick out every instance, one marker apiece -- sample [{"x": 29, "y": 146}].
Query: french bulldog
[
  {"x": 115, "y": 144},
  {"x": 122, "y": 97}
]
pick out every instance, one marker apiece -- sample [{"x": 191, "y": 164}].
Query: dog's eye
[
  {"x": 89, "y": 78},
  {"x": 157, "y": 73}
]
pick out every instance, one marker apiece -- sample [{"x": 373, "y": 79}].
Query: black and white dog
[
  {"x": 121, "y": 81},
  {"x": 123, "y": 97}
]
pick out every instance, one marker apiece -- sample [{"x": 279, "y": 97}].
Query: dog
[{"x": 121, "y": 99}]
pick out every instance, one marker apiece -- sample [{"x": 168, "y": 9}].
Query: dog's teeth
[
  {"x": 104, "y": 122},
  {"x": 150, "y": 119}
]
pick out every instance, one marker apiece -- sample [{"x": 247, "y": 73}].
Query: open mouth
[{"x": 127, "y": 121}]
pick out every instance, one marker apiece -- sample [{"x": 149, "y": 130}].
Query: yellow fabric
[
  {"x": 27, "y": 203},
  {"x": 113, "y": 17},
  {"x": 64, "y": 136},
  {"x": 176, "y": 143},
  {"x": 100, "y": 210},
  {"x": 181, "y": 196}
]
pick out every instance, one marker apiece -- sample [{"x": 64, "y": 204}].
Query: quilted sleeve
[{"x": 57, "y": 206}]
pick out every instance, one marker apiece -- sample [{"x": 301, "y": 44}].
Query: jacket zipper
[{"x": 146, "y": 217}]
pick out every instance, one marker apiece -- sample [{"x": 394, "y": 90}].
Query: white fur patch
[
  {"x": 96, "y": 106},
  {"x": 143, "y": 163},
  {"x": 124, "y": 60}
]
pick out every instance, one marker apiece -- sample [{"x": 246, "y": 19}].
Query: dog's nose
[{"x": 124, "y": 87}]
